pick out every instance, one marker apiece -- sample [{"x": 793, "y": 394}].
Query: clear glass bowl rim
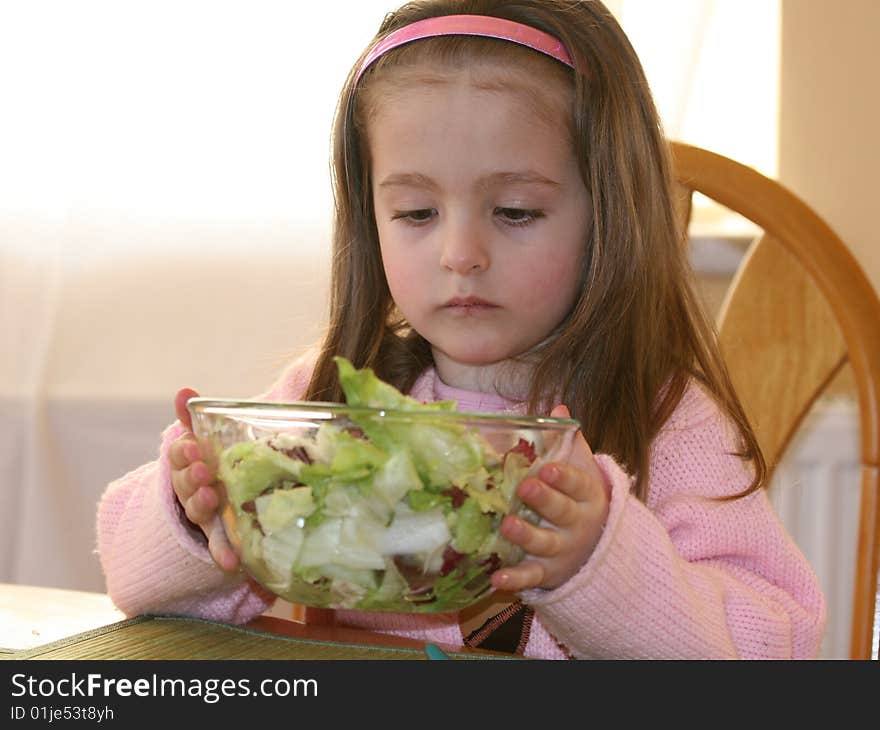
[{"x": 320, "y": 410}]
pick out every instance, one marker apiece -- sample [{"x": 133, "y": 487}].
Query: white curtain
[
  {"x": 164, "y": 210},
  {"x": 713, "y": 66}
]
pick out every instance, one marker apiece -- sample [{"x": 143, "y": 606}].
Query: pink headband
[{"x": 479, "y": 25}]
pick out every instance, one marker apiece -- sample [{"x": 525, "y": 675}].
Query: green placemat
[{"x": 168, "y": 637}]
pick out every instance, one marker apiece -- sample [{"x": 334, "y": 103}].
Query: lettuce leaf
[{"x": 372, "y": 514}]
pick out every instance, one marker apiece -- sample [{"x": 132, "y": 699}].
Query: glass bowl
[{"x": 340, "y": 506}]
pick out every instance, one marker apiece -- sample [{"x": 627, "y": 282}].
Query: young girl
[{"x": 505, "y": 236}]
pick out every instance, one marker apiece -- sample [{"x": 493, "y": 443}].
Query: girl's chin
[
  {"x": 470, "y": 357},
  {"x": 476, "y": 347},
  {"x": 478, "y": 355}
]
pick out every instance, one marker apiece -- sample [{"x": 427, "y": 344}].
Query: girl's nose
[{"x": 464, "y": 251}]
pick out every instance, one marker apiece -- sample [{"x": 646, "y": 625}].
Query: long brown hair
[{"x": 622, "y": 359}]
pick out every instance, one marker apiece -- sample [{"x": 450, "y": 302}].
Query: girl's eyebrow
[
  {"x": 519, "y": 177},
  {"x": 409, "y": 180},
  {"x": 418, "y": 180}
]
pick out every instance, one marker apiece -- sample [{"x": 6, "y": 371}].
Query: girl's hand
[
  {"x": 193, "y": 482},
  {"x": 573, "y": 498}
]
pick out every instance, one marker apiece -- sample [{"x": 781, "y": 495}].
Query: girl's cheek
[
  {"x": 396, "y": 271},
  {"x": 404, "y": 282}
]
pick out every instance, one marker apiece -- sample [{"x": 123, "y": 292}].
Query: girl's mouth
[{"x": 469, "y": 304}]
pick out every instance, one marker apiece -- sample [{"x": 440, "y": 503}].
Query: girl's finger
[
  {"x": 534, "y": 540},
  {"x": 528, "y": 574},
  {"x": 187, "y": 481},
  {"x": 180, "y": 409},
  {"x": 581, "y": 453},
  {"x": 201, "y": 507},
  {"x": 552, "y": 504},
  {"x": 183, "y": 485},
  {"x": 183, "y": 452},
  {"x": 219, "y": 547},
  {"x": 569, "y": 480},
  {"x": 180, "y": 486}
]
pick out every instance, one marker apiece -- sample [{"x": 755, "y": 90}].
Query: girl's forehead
[
  {"x": 548, "y": 98},
  {"x": 461, "y": 128},
  {"x": 485, "y": 73}
]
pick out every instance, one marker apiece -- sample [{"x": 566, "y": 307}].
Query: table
[{"x": 51, "y": 623}]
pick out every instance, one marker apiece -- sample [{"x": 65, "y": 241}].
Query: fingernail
[
  {"x": 529, "y": 488},
  {"x": 514, "y": 528},
  {"x": 207, "y": 496},
  {"x": 550, "y": 474},
  {"x": 230, "y": 561}
]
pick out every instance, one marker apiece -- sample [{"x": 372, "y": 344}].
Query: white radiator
[{"x": 816, "y": 491}]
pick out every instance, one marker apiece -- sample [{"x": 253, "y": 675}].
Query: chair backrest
[{"x": 797, "y": 310}]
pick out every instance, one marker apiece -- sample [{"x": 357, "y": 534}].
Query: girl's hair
[{"x": 622, "y": 358}]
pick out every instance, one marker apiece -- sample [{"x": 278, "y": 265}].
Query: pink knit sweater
[{"x": 682, "y": 576}]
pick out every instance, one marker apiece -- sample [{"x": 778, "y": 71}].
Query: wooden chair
[{"x": 797, "y": 310}]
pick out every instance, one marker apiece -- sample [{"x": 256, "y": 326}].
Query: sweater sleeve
[
  {"x": 688, "y": 575},
  {"x": 153, "y": 560}
]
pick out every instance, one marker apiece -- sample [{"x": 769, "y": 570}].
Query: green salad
[{"x": 372, "y": 512}]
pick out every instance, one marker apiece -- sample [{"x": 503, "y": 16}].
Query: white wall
[{"x": 829, "y": 145}]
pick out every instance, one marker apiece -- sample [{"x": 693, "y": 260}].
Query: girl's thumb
[
  {"x": 581, "y": 456},
  {"x": 180, "y": 409},
  {"x": 560, "y": 411}
]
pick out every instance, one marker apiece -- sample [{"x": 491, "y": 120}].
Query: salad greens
[{"x": 376, "y": 512}]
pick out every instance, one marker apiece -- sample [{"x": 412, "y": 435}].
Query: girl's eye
[
  {"x": 415, "y": 217},
  {"x": 518, "y": 216}
]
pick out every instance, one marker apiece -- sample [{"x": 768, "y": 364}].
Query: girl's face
[{"x": 481, "y": 212}]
